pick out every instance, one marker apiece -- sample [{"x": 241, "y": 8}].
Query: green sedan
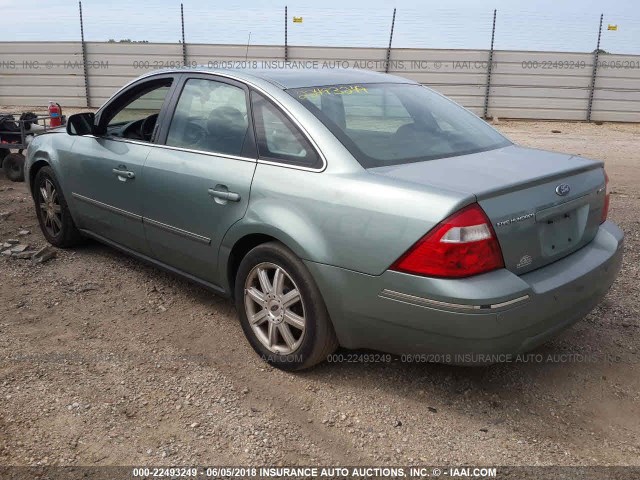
[{"x": 336, "y": 207}]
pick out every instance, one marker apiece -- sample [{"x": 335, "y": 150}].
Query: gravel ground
[{"x": 107, "y": 361}]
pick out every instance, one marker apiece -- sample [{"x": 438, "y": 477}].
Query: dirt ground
[{"x": 107, "y": 361}]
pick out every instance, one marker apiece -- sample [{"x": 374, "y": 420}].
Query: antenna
[{"x": 246, "y": 56}]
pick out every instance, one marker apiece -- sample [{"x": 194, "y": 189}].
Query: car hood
[{"x": 60, "y": 129}]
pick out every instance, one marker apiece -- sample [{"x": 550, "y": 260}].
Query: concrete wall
[{"x": 540, "y": 85}]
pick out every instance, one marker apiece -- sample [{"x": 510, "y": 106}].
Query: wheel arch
[
  {"x": 238, "y": 251},
  {"x": 244, "y": 236},
  {"x": 34, "y": 168}
]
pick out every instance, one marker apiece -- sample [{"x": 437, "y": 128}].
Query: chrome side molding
[
  {"x": 106, "y": 206},
  {"x": 428, "y": 302},
  {"x": 177, "y": 231},
  {"x": 139, "y": 218}
]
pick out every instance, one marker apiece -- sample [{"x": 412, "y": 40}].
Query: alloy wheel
[
  {"x": 274, "y": 308},
  {"x": 50, "y": 207}
]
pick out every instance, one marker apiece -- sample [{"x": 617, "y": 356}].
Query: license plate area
[
  {"x": 561, "y": 228},
  {"x": 561, "y": 232}
]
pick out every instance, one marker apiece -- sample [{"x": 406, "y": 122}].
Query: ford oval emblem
[{"x": 563, "y": 189}]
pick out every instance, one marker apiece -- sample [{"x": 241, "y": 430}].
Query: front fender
[
  {"x": 48, "y": 149},
  {"x": 52, "y": 149}
]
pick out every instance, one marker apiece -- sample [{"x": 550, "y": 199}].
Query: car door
[
  {"x": 106, "y": 173},
  {"x": 198, "y": 184}
]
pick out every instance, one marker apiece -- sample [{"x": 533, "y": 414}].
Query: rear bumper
[{"x": 494, "y": 313}]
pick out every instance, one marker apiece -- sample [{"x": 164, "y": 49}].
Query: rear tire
[
  {"x": 281, "y": 309},
  {"x": 13, "y": 165},
  {"x": 53, "y": 212}
]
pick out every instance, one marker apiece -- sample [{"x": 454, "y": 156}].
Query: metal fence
[
  {"x": 496, "y": 64},
  {"x": 560, "y": 28}
]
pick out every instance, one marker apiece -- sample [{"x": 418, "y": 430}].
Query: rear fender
[{"x": 275, "y": 220}]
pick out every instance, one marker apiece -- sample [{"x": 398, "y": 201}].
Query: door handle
[
  {"x": 123, "y": 173},
  {"x": 223, "y": 195}
]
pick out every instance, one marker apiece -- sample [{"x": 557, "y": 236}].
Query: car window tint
[
  {"x": 395, "y": 123},
  {"x": 382, "y": 111},
  {"x": 278, "y": 139},
  {"x": 210, "y": 116},
  {"x": 142, "y": 106}
]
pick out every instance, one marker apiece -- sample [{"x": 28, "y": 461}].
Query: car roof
[
  {"x": 292, "y": 77},
  {"x": 307, "y": 77}
]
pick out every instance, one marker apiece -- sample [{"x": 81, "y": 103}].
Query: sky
[{"x": 543, "y": 25}]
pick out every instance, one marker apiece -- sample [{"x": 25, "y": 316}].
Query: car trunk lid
[{"x": 542, "y": 205}]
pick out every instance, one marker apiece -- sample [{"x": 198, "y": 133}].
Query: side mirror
[{"x": 83, "y": 124}]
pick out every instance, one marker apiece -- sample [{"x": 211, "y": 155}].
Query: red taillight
[
  {"x": 607, "y": 196},
  {"x": 462, "y": 245}
]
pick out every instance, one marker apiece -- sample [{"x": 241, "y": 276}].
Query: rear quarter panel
[{"x": 356, "y": 220}]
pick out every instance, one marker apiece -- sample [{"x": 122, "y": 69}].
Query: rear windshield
[{"x": 391, "y": 124}]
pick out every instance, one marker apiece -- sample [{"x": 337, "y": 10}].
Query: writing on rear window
[{"x": 336, "y": 90}]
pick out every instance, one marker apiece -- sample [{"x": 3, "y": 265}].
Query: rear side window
[
  {"x": 278, "y": 139},
  {"x": 210, "y": 116}
]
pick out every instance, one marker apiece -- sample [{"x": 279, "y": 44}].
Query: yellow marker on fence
[
  {"x": 297, "y": 19},
  {"x": 612, "y": 27}
]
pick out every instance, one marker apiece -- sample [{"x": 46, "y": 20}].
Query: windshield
[{"x": 391, "y": 124}]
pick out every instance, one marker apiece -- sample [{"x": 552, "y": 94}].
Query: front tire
[
  {"x": 281, "y": 309},
  {"x": 53, "y": 212}
]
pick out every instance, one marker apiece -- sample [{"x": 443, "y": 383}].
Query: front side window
[
  {"x": 210, "y": 116},
  {"x": 135, "y": 115},
  {"x": 278, "y": 139},
  {"x": 391, "y": 124}
]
